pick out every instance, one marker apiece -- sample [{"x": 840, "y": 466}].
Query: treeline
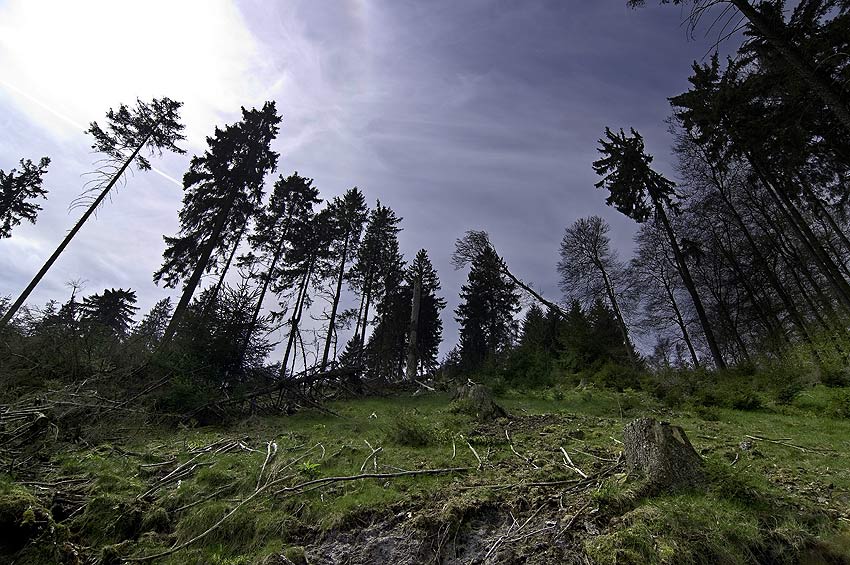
[
  {"x": 745, "y": 259},
  {"x": 298, "y": 262}
]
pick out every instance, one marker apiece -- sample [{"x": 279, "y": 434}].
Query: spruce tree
[
  {"x": 223, "y": 189},
  {"x": 376, "y": 251},
  {"x": 346, "y": 215},
  {"x": 112, "y": 310},
  {"x": 429, "y": 329},
  {"x": 640, "y": 193},
  {"x": 17, "y": 189},
  {"x": 290, "y": 206},
  {"x": 489, "y": 301},
  {"x": 152, "y": 327}
]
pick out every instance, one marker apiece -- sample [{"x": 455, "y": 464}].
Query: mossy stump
[
  {"x": 477, "y": 400},
  {"x": 662, "y": 454}
]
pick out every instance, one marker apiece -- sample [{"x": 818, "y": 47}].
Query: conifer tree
[
  {"x": 154, "y": 126},
  {"x": 17, "y": 189},
  {"x": 489, "y": 302},
  {"x": 639, "y": 192},
  {"x": 290, "y": 206},
  {"x": 152, "y": 327},
  {"x": 386, "y": 351},
  {"x": 429, "y": 328},
  {"x": 376, "y": 252},
  {"x": 222, "y": 190},
  {"x": 309, "y": 246},
  {"x": 113, "y": 310},
  {"x": 765, "y": 20},
  {"x": 346, "y": 215}
]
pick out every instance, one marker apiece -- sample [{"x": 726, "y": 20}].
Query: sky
[{"x": 481, "y": 114}]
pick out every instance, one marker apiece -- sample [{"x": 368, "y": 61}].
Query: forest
[{"x": 300, "y": 402}]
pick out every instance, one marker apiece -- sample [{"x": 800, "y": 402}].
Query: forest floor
[{"x": 545, "y": 485}]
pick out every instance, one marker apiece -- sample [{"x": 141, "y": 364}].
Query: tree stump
[
  {"x": 662, "y": 454},
  {"x": 477, "y": 400}
]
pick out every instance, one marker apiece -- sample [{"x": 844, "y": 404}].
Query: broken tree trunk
[
  {"x": 662, "y": 453},
  {"x": 477, "y": 400}
]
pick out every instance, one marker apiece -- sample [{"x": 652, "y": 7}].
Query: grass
[{"x": 775, "y": 498}]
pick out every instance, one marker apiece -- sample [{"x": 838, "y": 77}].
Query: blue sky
[{"x": 479, "y": 114}]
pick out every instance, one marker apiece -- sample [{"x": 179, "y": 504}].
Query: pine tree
[
  {"x": 223, "y": 189},
  {"x": 113, "y": 310},
  {"x": 429, "y": 328},
  {"x": 376, "y": 251},
  {"x": 17, "y": 189},
  {"x": 155, "y": 126},
  {"x": 289, "y": 208},
  {"x": 489, "y": 302},
  {"x": 152, "y": 327},
  {"x": 346, "y": 215},
  {"x": 639, "y": 192}
]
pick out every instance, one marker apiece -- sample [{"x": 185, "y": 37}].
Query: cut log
[
  {"x": 662, "y": 454},
  {"x": 477, "y": 400}
]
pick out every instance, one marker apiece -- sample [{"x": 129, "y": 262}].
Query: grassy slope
[{"x": 775, "y": 497}]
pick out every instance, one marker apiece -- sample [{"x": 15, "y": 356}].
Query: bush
[
  {"x": 409, "y": 430},
  {"x": 746, "y": 401},
  {"x": 839, "y": 404}
]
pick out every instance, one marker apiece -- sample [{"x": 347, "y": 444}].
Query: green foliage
[
  {"x": 839, "y": 404},
  {"x": 411, "y": 430}
]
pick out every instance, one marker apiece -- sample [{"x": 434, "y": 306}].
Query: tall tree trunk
[
  {"x": 615, "y": 305},
  {"x": 197, "y": 273},
  {"x": 821, "y": 87},
  {"x": 335, "y": 305},
  {"x": 804, "y": 233},
  {"x": 13, "y": 309},
  {"x": 267, "y": 277},
  {"x": 220, "y": 283},
  {"x": 414, "y": 328},
  {"x": 296, "y": 317},
  {"x": 692, "y": 289},
  {"x": 682, "y": 326}
]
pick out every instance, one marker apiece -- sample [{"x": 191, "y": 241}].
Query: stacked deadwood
[{"x": 310, "y": 389}]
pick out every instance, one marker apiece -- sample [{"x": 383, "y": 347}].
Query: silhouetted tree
[
  {"x": 17, "y": 189},
  {"x": 489, "y": 302},
  {"x": 765, "y": 21},
  {"x": 113, "y": 310},
  {"x": 639, "y": 192},
  {"x": 223, "y": 189},
  {"x": 589, "y": 268},
  {"x": 153, "y": 125},
  {"x": 346, "y": 215},
  {"x": 290, "y": 206}
]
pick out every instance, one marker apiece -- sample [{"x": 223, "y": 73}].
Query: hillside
[{"x": 316, "y": 488}]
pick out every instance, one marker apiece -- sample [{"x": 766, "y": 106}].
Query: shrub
[
  {"x": 746, "y": 401},
  {"x": 839, "y": 404},
  {"x": 409, "y": 430}
]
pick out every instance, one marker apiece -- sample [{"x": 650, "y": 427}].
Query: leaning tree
[
  {"x": 641, "y": 193},
  {"x": 153, "y": 126},
  {"x": 223, "y": 189}
]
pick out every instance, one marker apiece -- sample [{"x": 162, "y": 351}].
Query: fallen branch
[
  {"x": 271, "y": 451},
  {"x": 783, "y": 441},
  {"x": 373, "y": 455},
  {"x": 568, "y": 463}
]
